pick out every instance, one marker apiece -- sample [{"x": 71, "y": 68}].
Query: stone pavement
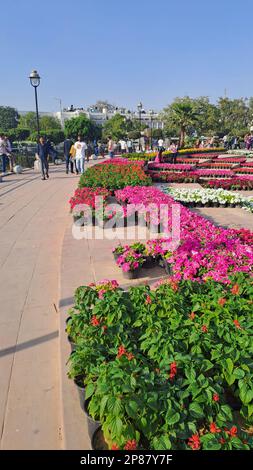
[{"x": 33, "y": 215}]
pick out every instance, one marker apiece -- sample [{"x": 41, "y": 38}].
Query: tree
[
  {"x": 54, "y": 135},
  {"x": 83, "y": 126},
  {"x": 234, "y": 115},
  {"x": 180, "y": 114},
  {"x": 208, "y": 116},
  {"x": 18, "y": 134},
  {"x": 116, "y": 127},
  {"x": 8, "y": 118},
  {"x": 49, "y": 123},
  {"x": 28, "y": 121}
]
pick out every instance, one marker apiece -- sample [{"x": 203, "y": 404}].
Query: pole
[
  {"x": 151, "y": 136},
  {"x": 140, "y": 132},
  {"x": 37, "y": 112}
]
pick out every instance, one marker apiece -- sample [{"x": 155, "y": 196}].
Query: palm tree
[{"x": 181, "y": 114}]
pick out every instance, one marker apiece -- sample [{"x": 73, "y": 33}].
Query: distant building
[{"x": 101, "y": 115}]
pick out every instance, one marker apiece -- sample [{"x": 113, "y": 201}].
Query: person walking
[
  {"x": 9, "y": 153},
  {"x": 3, "y": 153},
  {"x": 173, "y": 149},
  {"x": 42, "y": 151},
  {"x": 80, "y": 148},
  {"x": 129, "y": 146},
  {"x": 69, "y": 161},
  {"x": 123, "y": 146},
  {"x": 110, "y": 147},
  {"x": 160, "y": 143}
]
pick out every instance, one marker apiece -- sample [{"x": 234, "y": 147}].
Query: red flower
[
  {"x": 194, "y": 442},
  {"x": 129, "y": 356},
  {"x": 213, "y": 428},
  {"x": 235, "y": 289},
  {"x": 173, "y": 370},
  {"x": 222, "y": 440},
  {"x": 216, "y": 397},
  {"x": 94, "y": 321},
  {"x": 237, "y": 324},
  {"x": 232, "y": 432},
  {"x": 104, "y": 328},
  {"x": 121, "y": 351},
  {"x": 222, "y": 301},
  {"x": 204, "y": 329},
  {"x": 114, "y": 447},
  {"x": 131, "y": 445},
  {"x": 148, "y": 300},
  {"x": 192, "y": 316}
]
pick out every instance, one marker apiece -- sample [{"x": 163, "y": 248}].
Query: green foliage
[
  {"x": 54, "y": 135},
  {"x": 115, "y": 127},
  {"x": 152, "y": 371},
  {"x": 8, "y": 118},
  {"x": 83, "y": 126},
  {"x": 180, "y": 114},
  {"x": 113, "y": 176},
  {"x": 18, "y": 134},
  {"x": 28, "y": 121},
  {"x": 49, "y": 123}
]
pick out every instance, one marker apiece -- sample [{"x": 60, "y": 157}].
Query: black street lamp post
[
  {"x": 139, "y": 107},
  {"x": 35, "y": 81},
  {"x": 151, "y": 129}
]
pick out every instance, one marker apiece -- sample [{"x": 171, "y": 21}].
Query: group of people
[{"x": 6, "y": 155}]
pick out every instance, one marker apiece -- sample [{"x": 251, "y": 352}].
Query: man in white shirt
[
  {"x": 123, "y": 146},
  {"x": 80, "y": 148},
  {"x": 160, "y": 143}
]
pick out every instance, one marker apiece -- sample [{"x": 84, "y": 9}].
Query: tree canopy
[
  {"x": 8, "y": 118},
  {"x": 83, "y": 126}
]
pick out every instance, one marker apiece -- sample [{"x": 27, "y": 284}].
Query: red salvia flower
[
  {"x": 114, "y": 447},
  {"x": 216, "y": 397},
  {"x": 148, "y": 300},
  {"x": 237, "y": 324},
  {"x": 232, "y": 432},
  {"x": 222, "y": 440},
  {"x": 222, "y": 301},
  {"x": 173, "y": 370},
  {"x": 213, "y": 428},
  {"x": 131, "y": 445},
  {"x": 121, "y": 351},
  {"x": 129, "y": 356},
  {"x": 194, "y": 442},
  {"x": 94, "y": 321},
  {"x": 204, "y": 329},
  {"x": 235, "y": 289},
  {"x": 192, "y": 316}
]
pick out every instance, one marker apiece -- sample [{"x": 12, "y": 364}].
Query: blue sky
[{"x": 124, "y": 51}]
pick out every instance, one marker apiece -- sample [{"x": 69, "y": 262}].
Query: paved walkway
[{"x": 33, "y": 215}]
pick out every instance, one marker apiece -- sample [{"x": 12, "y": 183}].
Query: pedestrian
[
  {"x": 43, "y": 151},
  {"x": 68, "y": 143},
  {"x": 111, "y": 147},
  {"x": 123, "y": 146},
  {"x": 80, "y": 148},
  {"x": 129, "y": 146},
  {"x": 9, "y": 153},
  {"x": 72, "y": 154},
  {"x": 96, "y": 151},
  {"x": 173, "y": 149},
  {"x": 160, "y": 143},
  {"x": 3, "y": 153}
]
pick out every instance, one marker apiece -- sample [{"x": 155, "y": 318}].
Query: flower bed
[
  {"x": 169, "y": 167},
  {"x": 114, "y": 176},
  {"x": 121, "y": 161},
  {"x": 248, "y": 164},
  {"x": 87, "y": 196},
  {"x": 245, "y": 170},
  {"x": 231, "y": 160},
  {"x": 206, "y": 197},
  {"x": 168, "y": 177},
  {"x": 216, "y": 164},
  {"x": 165, "y": 368},
  {"x": 214, "y": 172},
  {"x": 188, "y": 161},
  {"x": 233, "y": 183}
]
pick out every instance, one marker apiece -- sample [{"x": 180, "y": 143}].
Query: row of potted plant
[
  {"x": 235, "y": 184},
  {"x": 167, "y": 368},
  {"x": 114, "y": 176},
  {"x": 207, "y": 197}
]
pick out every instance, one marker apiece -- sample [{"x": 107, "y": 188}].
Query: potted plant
[{"x": 130, "y": 262}]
